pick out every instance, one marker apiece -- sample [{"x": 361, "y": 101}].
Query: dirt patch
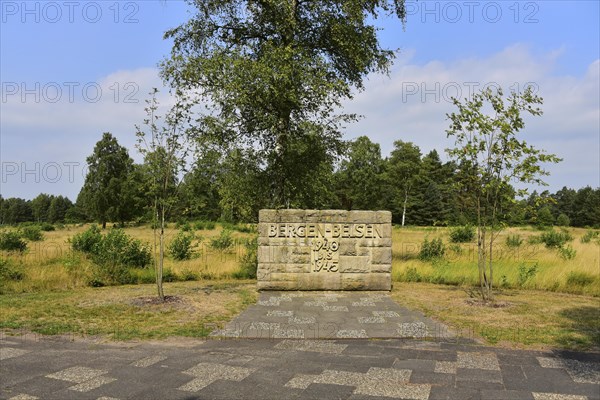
[
  {"x": 490, "y": 304},
  {"x": 155, "y": 300}
]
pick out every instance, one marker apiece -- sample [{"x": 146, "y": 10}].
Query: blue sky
[{"x": 72, "y": 70}]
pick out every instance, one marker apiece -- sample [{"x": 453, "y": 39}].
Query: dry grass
[
  {"x": 51, "y": 265},
  {"x": 123, "y": 313},
  {"x": 529, "y": 319},
  {"x": 459, "y": 266}
]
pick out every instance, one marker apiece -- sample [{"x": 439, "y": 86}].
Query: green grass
[
  {"x": 522, "y": 318},
  {"x": 121, "y": 313}
]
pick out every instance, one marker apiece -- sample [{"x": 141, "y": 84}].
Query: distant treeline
[{"x": 232, "y": 188}]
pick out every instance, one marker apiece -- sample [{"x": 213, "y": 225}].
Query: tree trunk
[
  {"x": 161, "y": 256},
  {"x": 103, "y": 224},
  {"x": 404, "y": 207}
]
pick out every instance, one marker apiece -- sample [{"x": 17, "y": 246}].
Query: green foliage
[
  {"x": 545, "y": 217},
  {"x": 87, "y": 240},
  {"x": 47, "y": 227},
  {"x": 8, "y": 272},
  {"x": 249, "y": 261},
  {"x": 563, "y": 220},
  {"x": 556, "y": 239},
  {"x": 118, "y": 248},
  {"x": 432, "y": 250},
  {"x": 113, "y": 254},
  {"x": 181, "y": 246},
  {"x": 579, "y": 279},
  {"x": 589, "y": 236},
  {"x": 32, "y": 233},
  {"x": 12, "y": 241},
  {"x": 205, "y": 225},
  {"x": 490, "y": 156},
  {"x": 514, "y": 241},
  {"x": 567, "y": 252},
  {"x": 412, "y": 275},
  {"x": 275, "y": 74},
  {"x": 534, "y": 240},
  {"x": 526, "y": 273},
  {"x": 462, "y": 234},
  {"x": 103, "y": 194},
  {"x": 223, "y": 242}
]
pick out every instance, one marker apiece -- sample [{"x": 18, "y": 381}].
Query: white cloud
[{"x": 412, "y": 104}]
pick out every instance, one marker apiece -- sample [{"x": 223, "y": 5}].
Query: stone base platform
[{"x": 331, "y": 315}]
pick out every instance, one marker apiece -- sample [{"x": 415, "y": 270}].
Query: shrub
[
  {"x": 563, "y": 220},
  {"x": 181, "y": 246},
  {"x": 412, "y": 275},
  {"x": 223, "y": 242},
  {"x": 462, "y": 234},
  {"x": 431, "y": 250},
  {"x": 8, "y": 272},
  {"x": 579, "y": 279},
  {"x": 567, "y": 252},
  {"x": 589, "y": 236},
  {"x": 32, "y": 233},
  {"x": 187, "y": 275},
  {"x": 47, "y": 227},
  {"x": 169, "y": 275},
  {"x": 12, "y": 241},
  {"x": 87, "y": 240},
  {"x": 249, "y": 261},
  {"x": 137, "y": 254},
  {"x": 526, "y": 273},
  {"x": 205, "y": 225},
  {"x": 556, "y": 239},
  {"x": 534, "y": 240},
  {"x": 514, "y": 241}
]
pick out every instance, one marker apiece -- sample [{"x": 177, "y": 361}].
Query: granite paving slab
[
  {"x": 331, "y": 315},
  {"x": 352, "y": 369}
]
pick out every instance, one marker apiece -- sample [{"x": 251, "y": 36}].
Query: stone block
[
  {"x": 324, "y": 250},
  {"x": 381, "y": 255},
  {"x": 356, "y": 264}
]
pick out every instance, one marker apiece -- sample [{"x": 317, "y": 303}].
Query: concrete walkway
[{"x": 292, "y": 361}]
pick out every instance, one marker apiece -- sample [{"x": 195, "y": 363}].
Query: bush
[
  {"x": 11, "y": 241},
  {"x": 205, "y": 225},
  {"x": 462, "y": 234},
  {"x": 87, "y": 240},
  {"x": 249, "y": 261},
  {"x": 556, "y": 239},
  {"x": 526, "y": 273},
  {"x": 187, "y": 275},
  {"x": 412, "y": 275},
  {"x": 563, "y": 220},
  {"x": 514, "y": 241},
  {"x": 567, "y": 252},
  {"x": 533, "y": 240},
  {"x": 32, "y": 233},
  {"x": 589, "y": 236},
  {"x": 223, "y": 242},
  {"x": 8, "y": 272},
  {"x": 47, "y": 227},
  {"x": 431, "y": 250},
  {"x": 181, "y": 246},
  {"x": 579, "y": 279}
]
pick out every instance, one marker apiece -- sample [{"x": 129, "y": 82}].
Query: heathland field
[
  {"x": 51, "y": 264},
  {"x": 548, "y": 289}
]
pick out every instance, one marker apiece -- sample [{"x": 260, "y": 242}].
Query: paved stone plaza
[{"x": 296, "y": 358}]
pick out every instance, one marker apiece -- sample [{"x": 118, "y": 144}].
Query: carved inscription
[
  {"x": 350, "y": 231},
  {"x": 324, "y": 255}
]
